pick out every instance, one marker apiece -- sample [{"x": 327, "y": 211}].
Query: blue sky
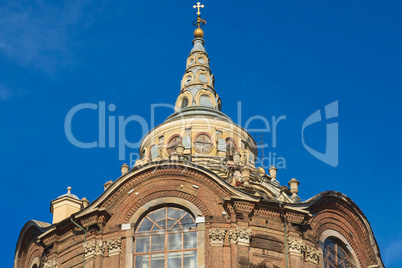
[{"x": 279, "y": 58}]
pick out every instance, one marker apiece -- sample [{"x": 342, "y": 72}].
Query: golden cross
[{"x": 198, "y": 6}]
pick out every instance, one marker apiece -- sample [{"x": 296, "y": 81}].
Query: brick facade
[{"x": 241, "y": 229}]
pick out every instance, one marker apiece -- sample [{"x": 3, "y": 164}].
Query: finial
[
  {"x": 69, "y": 189},
  {"x": 124, "y": 169},
  {"x": 294, "y": 189},
  {"x": 199, "y": 33}
]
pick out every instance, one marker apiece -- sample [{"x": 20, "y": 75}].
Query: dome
[{"x": 68, "y": 194}]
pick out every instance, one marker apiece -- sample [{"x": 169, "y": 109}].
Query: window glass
[
  {"x": 174, "y": 259},
  {"x": 166, "y": 237},
  {"x": 189, "y": 240},
  {"x": 172, "y": 144},
  {"x": 230, "y": 147},
  {"x": 336, "y": 255},
  {"x": 190, "y": 259},
  {"x": 184, "y": 103},
  {"x": 174, "y": 241},
  {"x": 203, "y": 143}
]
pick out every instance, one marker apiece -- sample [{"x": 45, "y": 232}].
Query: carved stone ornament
[
  {"x": 233, "y": 235},
  {"x": 298, "y": 247},
  {"x": 93, "y": 248},
  {"x": 240, "y": 235},
  {"x": 50, "y": 263},
  {"x": 244, "y": 236},
  {"x": 217, "y": 237},
  {"x": 295, "y": 246},
  {"x": 114, "y": 246},
  {"x": 312, "y": 255}
]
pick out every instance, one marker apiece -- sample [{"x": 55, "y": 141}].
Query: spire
[{"x": 197, "y": 86}]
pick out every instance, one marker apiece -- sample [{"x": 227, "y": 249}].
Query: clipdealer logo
[{"x": 331, "y": 154}]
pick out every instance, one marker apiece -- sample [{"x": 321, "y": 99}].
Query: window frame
[
  {"x": 337, "y": 248},
  {"x": 165, "y": 232},
  {"x": 167, "y": 148},
  {"x": 195, "y": 142},
  {"x": 236, "y": 148},
  {"x": 336, "y": 236}
]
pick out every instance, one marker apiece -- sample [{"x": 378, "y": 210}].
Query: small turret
[{"x": 66, "y": 205}]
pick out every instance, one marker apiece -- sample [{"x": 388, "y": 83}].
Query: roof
[{"x": 68, "y": 194}]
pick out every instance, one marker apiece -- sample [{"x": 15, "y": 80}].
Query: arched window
[
  {"x": 203, "y": 143},
  {"x": 336, "y": 255},
  {"x": 166, "y": 237},
  {"x": 231, "y": 147},
  {"x": 184, "y": 103},
  {"x": 172, "y": 144}
]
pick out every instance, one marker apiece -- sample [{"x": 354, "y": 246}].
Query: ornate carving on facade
[
  {"x": 295, "y": 246},
  {"x": 51, "y": 263},
  {"x": 217, "y": 236},
  {"x": 311, "y": 255},
  {"x": 233, "y": 234},
  {"x": 94, "y": 248},
  {"x": 244, "y": 236},
  {"x": 239, "y": 235},
  {"x": 298, "y": 247},
  {"x": 114, "y": 246}
]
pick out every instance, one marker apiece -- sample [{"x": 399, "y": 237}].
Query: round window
[
  {"x": 172, "y": 144},
  {"x": 203, "y": 143}
]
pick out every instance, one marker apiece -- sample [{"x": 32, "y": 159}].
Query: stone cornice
[
  {"x": 126, "y": 181},
  {"x": 65, "y": 229}
]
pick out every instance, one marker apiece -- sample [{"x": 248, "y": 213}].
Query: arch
[
  {"x": 190, "y": 61},
  {"x": 335, "y": 211},
  {"x": 157, "y": 203},
  {"x": 202, "y": 60},
  {"x": 35, "y": 263},
  {"x": 162, "y": 201},
  {"x": 187, "y": 80},
  {"x": 206, "y": 93},
  {"x": 30, "y": 232},
  {"x": 184, "y": 95},
  {"x": 203, "y": 77},
  {"x": 332, "y": 234},
  {"x": 120, "y": 196}
]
